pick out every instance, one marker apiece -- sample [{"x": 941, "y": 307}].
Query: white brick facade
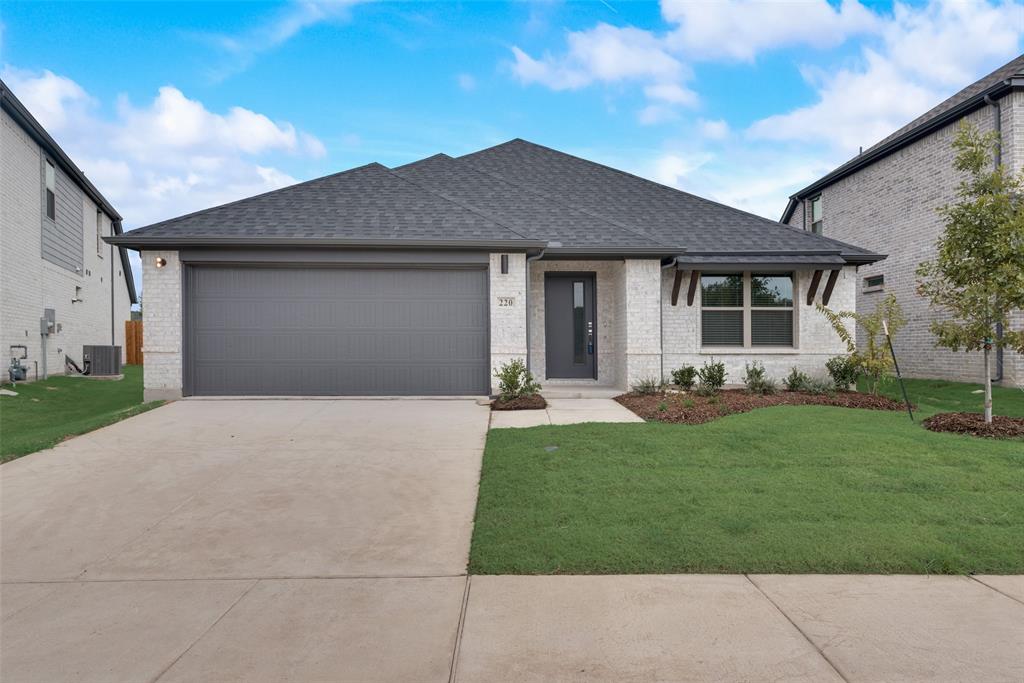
[
  {"x": 30, "y": 284},
  {"x": 508, "y": 311},
  {"x": 815, "y": 341},
  {"x": 891, "y": 207},
  {"x": 633, "y": 309},
  {"x": 161, "y": 315}
]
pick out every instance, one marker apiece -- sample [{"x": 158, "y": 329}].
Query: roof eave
[
  {"x": 17, "y": 111},
  {"x": 141, "y": 242},
  {"x": 912, "y": 135}
]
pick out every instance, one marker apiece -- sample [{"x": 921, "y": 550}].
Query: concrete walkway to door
[{"x": 327, "y": 540}]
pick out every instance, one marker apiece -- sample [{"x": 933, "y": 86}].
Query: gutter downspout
[
  {"x": 997, "y": 124},
  {"x": 661, "y": 312},
  {"x": 113, "y": 336},
  {"x": 526, "y": 301}
]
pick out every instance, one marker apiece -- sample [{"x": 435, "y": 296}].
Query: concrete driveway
[
  {"x": 243, "y": 540},
  {"x": 328, "y": 540}
]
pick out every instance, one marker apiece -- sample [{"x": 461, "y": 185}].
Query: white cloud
[
  {"x": 714, "y": 130},
  {"x": 242, "y": 49},
  {"x": 740, "y": 29},
  {"x": 605, "y": 54},
  {"x": 167, "y": 157},
  {"x": 466, "y": 82},
  {"x": 656, "y": 113},
  {"x": 672, "y": 93},
  {"x": 925, "y": 55}
]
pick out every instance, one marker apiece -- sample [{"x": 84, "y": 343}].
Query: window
[
  {"x": 721, "y": 310},
  {"x": 816, "y": 215},
  {"x": 99, "y": 233},
  {"x": 51, "y": 191},
  {"x": 745, "y": 310},
  {"x": 579, "y": 316},
  {"x": 874, "y": 283}
]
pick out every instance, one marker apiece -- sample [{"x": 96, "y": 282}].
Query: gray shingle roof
[
  {"x": 366, "y": 203},
  {"x": 516, "y": 193},
  {"x": 663, "y": 214}
]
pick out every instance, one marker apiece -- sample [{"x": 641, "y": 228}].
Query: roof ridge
[
  {"x": 301, "y": 183},
  {"x": 669, "y": 189},
  {"x": 450, "y": 200},
  {"x": 559, "y": 200}
]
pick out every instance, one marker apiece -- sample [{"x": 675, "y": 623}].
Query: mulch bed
[
  {"x": 691, "y": 408},
  {"x": 533, "y": 402},
  {"x": 974, "y": 424}
]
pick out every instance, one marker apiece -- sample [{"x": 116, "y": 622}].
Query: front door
[{"x": 570, "y": 325}]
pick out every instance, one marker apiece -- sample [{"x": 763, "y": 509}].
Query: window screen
[{"x": 722, "y": 314}]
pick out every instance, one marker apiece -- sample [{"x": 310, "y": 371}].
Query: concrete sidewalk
[{"x": 565, "y": 411}]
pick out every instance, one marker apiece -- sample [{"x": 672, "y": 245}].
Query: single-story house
[{"x": 424, "y": 278}]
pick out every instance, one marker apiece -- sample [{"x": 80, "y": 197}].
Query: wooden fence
[{"x": 133, "y": 341}]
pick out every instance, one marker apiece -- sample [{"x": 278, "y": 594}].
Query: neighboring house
[
  {"x": 52, "y": 255},
  {"x": 424, "y": 278},
  {"x": 887, "y": 198}
]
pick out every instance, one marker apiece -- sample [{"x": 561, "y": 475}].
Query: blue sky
[{"x": 171, "y": 107}]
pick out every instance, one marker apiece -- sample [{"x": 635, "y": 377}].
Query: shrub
[
  {"x": 515, "y": 381},
  {"x": 844, "y": 370},
  {"x": 796, "y": 380},
  {"x": 712, "y": 377},
  {"x": 688, "y": 403},
  {"x": 757, "y": 380},
  {"x": 646, "y": 386},
  {"x": 872, "y": 359},
  {"x": 684, "y": 376},
  {"x": 662, "y": 407},
  {"x": 819, "y": 385}
]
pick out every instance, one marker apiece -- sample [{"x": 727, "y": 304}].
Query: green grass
[
  {"x": 787, "y": 489},
  {"x": 939, "y": 396},
  {"x": 45, "y": 413}
]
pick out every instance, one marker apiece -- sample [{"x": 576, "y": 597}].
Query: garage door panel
[{"x": 337, "y": 331}]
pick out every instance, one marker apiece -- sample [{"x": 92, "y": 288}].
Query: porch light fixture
[{"x": 160, "y": 262}]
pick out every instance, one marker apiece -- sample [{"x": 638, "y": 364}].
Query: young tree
[
  {"x": 874, "y": 360},
  {"x": 978, "y": 271}
]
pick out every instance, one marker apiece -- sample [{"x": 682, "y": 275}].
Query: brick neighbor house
[
  {"x": 886, "y": 199},
  {"x": 52, "y": 255},
  {"x": 422, "y": 279}
]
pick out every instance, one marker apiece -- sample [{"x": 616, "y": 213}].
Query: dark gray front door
[
  {"x": 570, "y": 325},
  {"x": 322, "y": 331}
]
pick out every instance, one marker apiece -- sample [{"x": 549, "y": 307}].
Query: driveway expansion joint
[{"x": 993, "y": 588}]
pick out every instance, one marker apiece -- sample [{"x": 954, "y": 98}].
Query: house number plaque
[{"x": 506, "y": 301}]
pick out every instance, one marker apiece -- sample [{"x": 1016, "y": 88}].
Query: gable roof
[
  {"x": 516, "y": 195},
  {"x": 365, "y": 205},
  {"x": 1008, "y": 77},
  {"x": 23, "y": 117}
]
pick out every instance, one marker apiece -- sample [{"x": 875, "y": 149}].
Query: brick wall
[
  {"x": 508, "y": 311},
  {"x": 161, "y": 315},
  {"x": 30, "y": 284},
  {"x": 891, "y": 207},
  {"x": 816, "y": 340},
  {"x": 610, "y": 306}
]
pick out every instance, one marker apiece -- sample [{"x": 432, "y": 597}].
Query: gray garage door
[{"x": 323, "y": 331}]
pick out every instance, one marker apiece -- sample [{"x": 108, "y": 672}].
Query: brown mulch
[
  {"x": 691, "y": 408},
  {"x": 532, "y": 402},
  {"x": 974, "y": 424}
]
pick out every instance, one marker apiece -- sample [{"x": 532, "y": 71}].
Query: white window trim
[{"x": 748, "y": 347}]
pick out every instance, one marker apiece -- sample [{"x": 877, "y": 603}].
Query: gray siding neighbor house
[
  {"x": 423, "y": 279},
  {"x": 52, "y": 255},
  {"x": 887, "y": 198}
]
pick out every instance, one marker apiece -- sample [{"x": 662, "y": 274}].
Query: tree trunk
[{"x": 988, "y": 384}]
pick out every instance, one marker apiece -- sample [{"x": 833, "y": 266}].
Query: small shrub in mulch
[
  {"x": 696, "y": 409},
  {"x": 530, "y": 402},
  {"x": 974, "y": 424}
]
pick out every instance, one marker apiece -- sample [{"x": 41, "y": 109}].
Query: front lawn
[
  {"x": 783, "y": 489},
  {"x": 939, "y": 396},
  {"x": 45, "y": 413}
]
